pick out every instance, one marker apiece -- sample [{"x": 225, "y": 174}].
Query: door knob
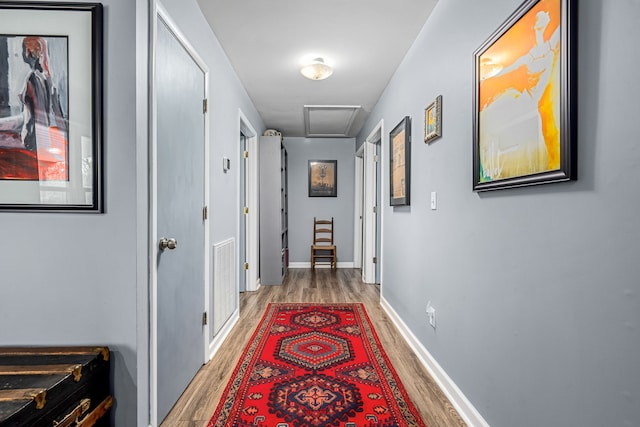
[{"x": 168, "y": 243}]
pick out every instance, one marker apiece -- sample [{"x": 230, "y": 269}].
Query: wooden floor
[{"x": 199, "y": 401}]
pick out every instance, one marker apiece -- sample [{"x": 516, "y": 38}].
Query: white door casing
[
  {"x": 370, "y": 208},
  {"x": 251, "y": 184}
]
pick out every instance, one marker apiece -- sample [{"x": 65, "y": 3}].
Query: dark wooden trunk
[{"x": 61, "y": 386}]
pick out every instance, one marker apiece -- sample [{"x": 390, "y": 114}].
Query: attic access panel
[{"x": 330, "y": 121}]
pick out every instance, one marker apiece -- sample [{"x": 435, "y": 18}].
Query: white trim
[
  {"x": 369, "y": 217},
  {"x": 251, "y": 237},
  {"x": 382, "y": 156},
  {"x": 307, "y": 264},
  {"x": 153, "y": 222},
  {"x": 159, "y": 12},
  {"x": 222, "y": 334},
  {"x": 143, "y": 188},
  {"x": 358, "y": 208},
  {"x": 465, "y": 409}
]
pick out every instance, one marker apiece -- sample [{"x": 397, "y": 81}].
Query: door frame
[
  {"x": 159, "y": 12},
  {"x": 251, "y": 182},
  {"x": 358, "y": 219},
  {"x": 371, "y": 186}
]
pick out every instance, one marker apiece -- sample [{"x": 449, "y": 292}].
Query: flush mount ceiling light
[{"x": 316, "y": 69}]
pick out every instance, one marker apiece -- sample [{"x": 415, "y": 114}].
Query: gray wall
[
  {"x": 79, "y": 279},
  {"x": 70, "y": 279},
  {"x": 537, "y": 289},
  {"x": 303, "y": 208}
]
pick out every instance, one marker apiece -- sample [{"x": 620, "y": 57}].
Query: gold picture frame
[{"x": 433, "y": 120}]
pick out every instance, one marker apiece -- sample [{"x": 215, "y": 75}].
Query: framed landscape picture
[
  {"x": 400, "y": 163},
  {"x": 323, "y": 178},
  {"x": 524, "y": 99},
  {"x": 433, "y": 120},
  {"x": 51, "y": 106}
]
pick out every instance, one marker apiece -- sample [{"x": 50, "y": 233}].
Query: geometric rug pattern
[{"x": 314, "y": 365}]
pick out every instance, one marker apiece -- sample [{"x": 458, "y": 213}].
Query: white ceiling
[{"x": 364, "y": 40}]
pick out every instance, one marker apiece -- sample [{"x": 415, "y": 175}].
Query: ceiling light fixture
[{"x": 316, "y": 69}]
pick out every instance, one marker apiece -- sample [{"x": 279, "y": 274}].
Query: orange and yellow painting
[{"x": 519, "y": 97}]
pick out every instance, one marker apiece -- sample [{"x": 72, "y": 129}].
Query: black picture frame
[
  {"x": 53, "y": 164},
  {"x": 524, "y": 104},
  {"x": 323, "y": 178},
  {"x": 400, "y": 163}
]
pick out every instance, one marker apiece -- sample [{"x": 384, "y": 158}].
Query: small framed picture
[
  {"x": 323, "y": 178},
  {"x": 433, "y": 120}
]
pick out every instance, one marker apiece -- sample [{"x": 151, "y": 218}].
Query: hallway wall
[
  {"x": 536, "y": 290},
  {"x": 303, "y": 208},
  {"x": 82, "y": 279}
]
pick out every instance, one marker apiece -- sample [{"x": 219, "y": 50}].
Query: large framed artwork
[
  {"x": 51, "y": 107},
  {"x": 524, "y": 99},
  {"x": 400, "y": 163},
  {"x": 323, "y": 178}
]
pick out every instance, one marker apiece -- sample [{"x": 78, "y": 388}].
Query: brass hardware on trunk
[
  {"x": 96, "y": 414},
  {"x": 73, "y": 416},
  {"x": 41, "y": 399},
  {"x": 77, "y": 373}
]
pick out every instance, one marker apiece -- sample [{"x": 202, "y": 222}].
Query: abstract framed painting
[
  {"x": 323, "y": 178},
  {"x": 524, "y": 130},
  {"x": 400, "y": 163},
  {"x": 51, "y": 107}
]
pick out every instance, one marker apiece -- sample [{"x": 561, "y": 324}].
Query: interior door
[{"x": 180, "y": 133}]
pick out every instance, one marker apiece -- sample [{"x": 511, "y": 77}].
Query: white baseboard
[
  {"x": 308, "y": 265},
  {"x": 465, "y": 409},
  {"x": 222, "y": 334}
]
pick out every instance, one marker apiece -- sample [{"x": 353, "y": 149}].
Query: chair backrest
[{"x": 322, "y": 232}]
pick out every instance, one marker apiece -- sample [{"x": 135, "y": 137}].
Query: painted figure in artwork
[
  {"x": 519, "y": 102},
  {"x": 34, "y": 143}
]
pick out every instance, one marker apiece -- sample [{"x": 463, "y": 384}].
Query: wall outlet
[{"x": 431, "y": 314}]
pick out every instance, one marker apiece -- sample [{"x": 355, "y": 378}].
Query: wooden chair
[{"x": 323, "y": 250}]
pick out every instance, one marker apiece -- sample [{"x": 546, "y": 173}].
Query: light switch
[{"x": 433, "y": 201}]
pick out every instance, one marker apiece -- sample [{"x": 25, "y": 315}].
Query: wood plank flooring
[{"x": 197, "y": 404}]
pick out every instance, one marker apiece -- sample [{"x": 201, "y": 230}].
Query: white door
[{"x": 180, "y": 195}]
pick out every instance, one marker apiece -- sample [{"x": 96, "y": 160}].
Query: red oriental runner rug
[{"x": 315, "y": 365}]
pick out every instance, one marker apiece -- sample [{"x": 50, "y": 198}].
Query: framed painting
[
  {"x": 323, "y": 178},
  {"x": 433, "y": 120},
  {"x": 51, "y": 107},
  {"x": 524, "y": 99},
  {"x": 400, "y": 163}
]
